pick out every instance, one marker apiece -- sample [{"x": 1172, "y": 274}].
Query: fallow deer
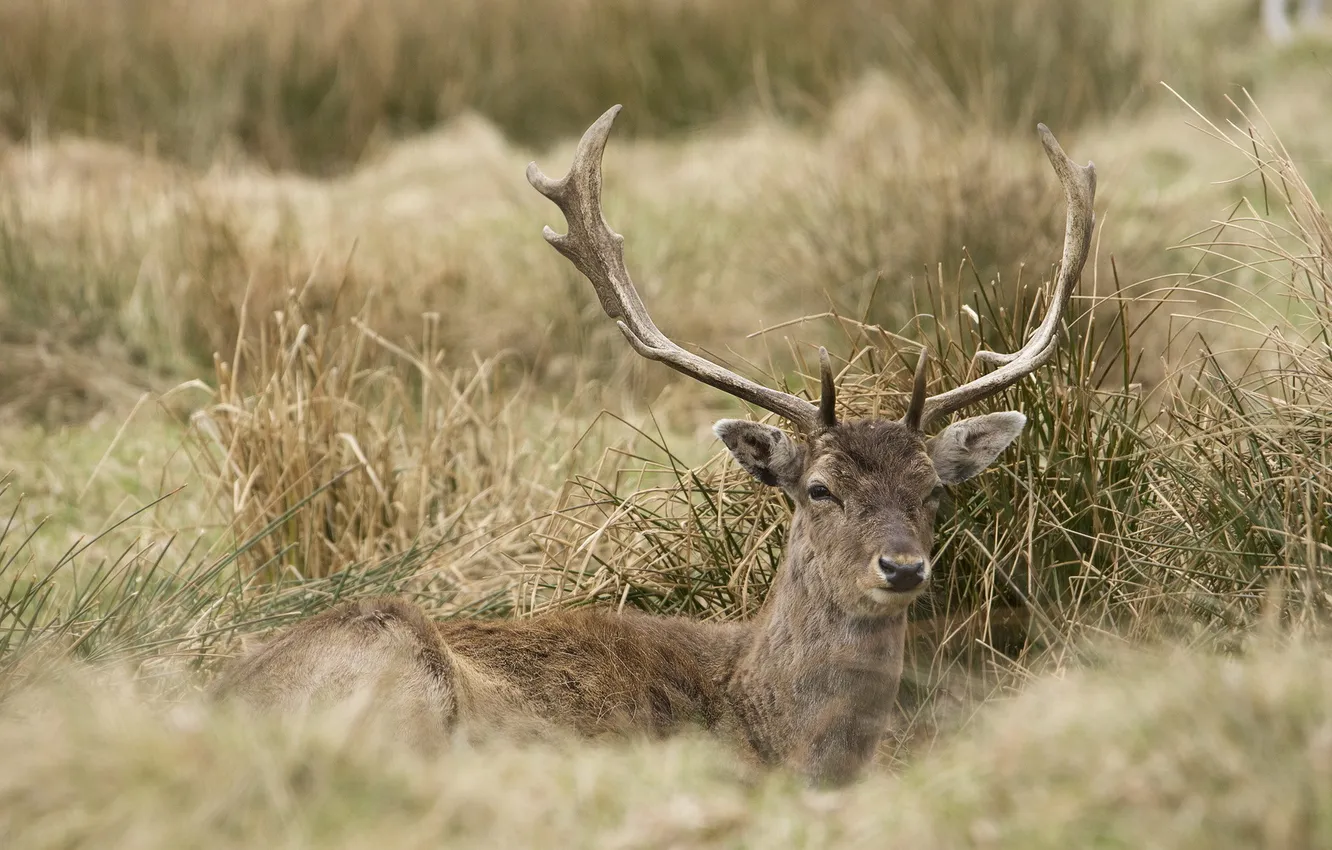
[{"x": 811, "y": 680}]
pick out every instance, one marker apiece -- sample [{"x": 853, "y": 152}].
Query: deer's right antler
[
  {"x": 1079, "y": 183},
  {"x": 598, "y": 252}
]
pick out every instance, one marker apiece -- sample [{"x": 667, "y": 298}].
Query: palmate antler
[{"x": 597, "y": 252}]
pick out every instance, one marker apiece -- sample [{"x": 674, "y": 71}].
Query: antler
[
  {"x": 1079, "y": 192},
  {"x": 597, "y": 252}
]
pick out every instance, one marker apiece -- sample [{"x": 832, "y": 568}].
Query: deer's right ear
[{"x": 767, "y": 453}]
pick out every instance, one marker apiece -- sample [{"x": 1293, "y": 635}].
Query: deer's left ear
[{"x": 964, "y": 449}]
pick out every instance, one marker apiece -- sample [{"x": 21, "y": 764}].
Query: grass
[
  {"x": 1129, "y": 738},
  {"x": 317, "y": 92},
  {"x": 854, "y": 216},
  {"x": 311, "y": 412},
  {"x": 77, "y": 481},
  {"x": 295, "y": 269}
]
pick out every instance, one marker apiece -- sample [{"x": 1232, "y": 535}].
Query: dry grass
[
  {"x": 316, "y": 90},
  {"x": 727, "y": 233},
  {"x": 1244, "y": 475},
  {"x": 311, "y": 411},
  {"x": 1203, "y": 752}
]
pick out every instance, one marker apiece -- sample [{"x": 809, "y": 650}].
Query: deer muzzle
[{"x": 903, "y": 574}]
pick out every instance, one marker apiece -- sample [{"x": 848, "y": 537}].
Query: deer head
[{"x": 865, "y": 492}]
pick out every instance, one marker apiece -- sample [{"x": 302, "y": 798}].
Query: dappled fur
[{"x": 809, "y": 682}]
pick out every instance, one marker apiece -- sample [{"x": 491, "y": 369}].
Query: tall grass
[
  {"x": 1114, "y": 515},
  {"x": 166, "y": 607},
  {"x": 384, "y": 445},
  {"x": 1196, "y": 515},
  {"x": 314, "y": 85},
  {"x": 99, "y": 250},
  {"x": 88, "y": 286},
  {"x": 1247, "y": 474}
]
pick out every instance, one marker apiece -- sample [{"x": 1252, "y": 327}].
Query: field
[{"x": 278, "y": 328}]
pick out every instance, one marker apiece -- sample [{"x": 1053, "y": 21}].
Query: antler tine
[
  {"x": 916, "y": 408},
  {"x": 1079, "y": 183},
  {"x": 827, "y": 391},
  {"x": 598, "y": 252}
]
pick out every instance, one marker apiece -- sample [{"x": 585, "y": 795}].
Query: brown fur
[{"x": 809, "y": 682}]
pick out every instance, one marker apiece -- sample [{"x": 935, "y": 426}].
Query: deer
[{"x": 809, "y": 682}]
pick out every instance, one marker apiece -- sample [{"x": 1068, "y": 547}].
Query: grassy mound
[{"x": 1177, "y": 751}]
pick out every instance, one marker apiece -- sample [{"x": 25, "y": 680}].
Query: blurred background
[{"x": 773, "y": 159}]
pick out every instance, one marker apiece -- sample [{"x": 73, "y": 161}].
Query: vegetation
[
  {"x": 277, "y": 328},
  {"x": 314, "y": 85},
  {"x": 1250, "y": 769}
]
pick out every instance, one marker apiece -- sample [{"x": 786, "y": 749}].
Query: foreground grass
[{"x": 1176, "y": 751}]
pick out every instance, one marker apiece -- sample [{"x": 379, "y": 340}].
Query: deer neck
[
  {"x": 802, "y": 634},
  {"x": 817, "y": 684}
]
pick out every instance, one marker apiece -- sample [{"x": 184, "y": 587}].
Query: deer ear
[
  {"x": 767, "y": 453},
  {"x": 964, "y": 448}
]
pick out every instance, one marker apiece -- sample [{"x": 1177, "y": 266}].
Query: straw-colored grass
[
  {"x": 377, "y": 439},
  {"x": 316, "y": 85},
  {"x": 1172, "y": 752},
  {"x": 727, "y": 233}
]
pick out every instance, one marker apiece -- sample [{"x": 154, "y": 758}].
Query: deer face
[{"x": 865, "y": 495}]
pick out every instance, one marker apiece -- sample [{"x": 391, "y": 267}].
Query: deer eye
[{"x": 820, "y": 493}]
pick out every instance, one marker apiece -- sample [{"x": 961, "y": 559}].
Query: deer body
[
  {"x": 801, "y": 684},
  {"x": 586, "y": 672},
  {"x": 810, "y": 681}
]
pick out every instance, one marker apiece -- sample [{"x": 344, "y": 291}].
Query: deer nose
[{"x": 904, "y": 574}]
